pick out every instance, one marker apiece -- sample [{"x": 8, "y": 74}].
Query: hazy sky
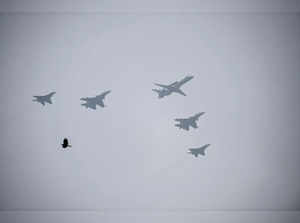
[{"x": 129, "y": 154}]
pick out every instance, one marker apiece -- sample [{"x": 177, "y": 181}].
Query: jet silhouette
[
  {"x": 197, "y": 151},
  {"x": 185, "y": 123},
  {"x": 44, "y": 99},
  {"x": 172, "y": 88},
  {"x": 92, "y": 102},
  {"x": 65, "y": 143}
]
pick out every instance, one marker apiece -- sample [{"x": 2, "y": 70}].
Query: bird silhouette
[{"x": 65, "y": 143}]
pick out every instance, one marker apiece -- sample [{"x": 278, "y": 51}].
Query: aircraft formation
[{"x": 165, "y": 90}]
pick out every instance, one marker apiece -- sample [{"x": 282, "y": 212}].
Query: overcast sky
[{"x": 129, "y": 154}]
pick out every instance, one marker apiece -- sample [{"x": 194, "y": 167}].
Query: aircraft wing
[
  {"x": 173, "y": 84},
  {"x": 185, "y": 127},
  {"x": 182, "y": 125},
  {"x": 90, "y": 105},
  {"x": 103, "y": 94},
  {"x": 100, "y": 103},
  {"x": 193, "y": 152},
  {"x": 84, "y": 99},
  {"x": 180, "y": 92},
  {"x": 180, "y": 119},
  {"x": 162, "y": 85},
  {"x": 194, "y": 125},
  {"x": 184, "y": 80},
  {"x": 201, "y": 151},
  {"x": 49, "y": 101},
  {"x": 196, "y": 117}
]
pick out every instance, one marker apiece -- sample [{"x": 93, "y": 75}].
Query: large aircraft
[
  {"x": 185, "y": 123},
  {"x": 92, "y": 102},
  {"x": 174, "y": 87},
  {"x": 44, "y": 98},
  {"x": 197, "y": 151}
]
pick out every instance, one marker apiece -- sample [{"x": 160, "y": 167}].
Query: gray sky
[{"x": 129, "y": 154}]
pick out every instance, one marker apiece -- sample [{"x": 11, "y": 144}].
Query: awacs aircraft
[
  {"x": 92, "y": 102},
  {"x": 197, "y": 151},
  {"x": 174, "y": 87},
  {"x": 185, "y": 123},
  {"x": 44, "y": 99}
]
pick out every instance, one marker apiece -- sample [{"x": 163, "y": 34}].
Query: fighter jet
[
  {"x": 92, "y": 102},
  {"x": 197, "y": 151},
  {"x": 174, "y": 87},
  {"x": 44, "y": 99},
  {"x": 185, "y": 123}
]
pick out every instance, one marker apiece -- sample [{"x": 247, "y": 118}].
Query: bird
[{"x": 65, "y": 143}]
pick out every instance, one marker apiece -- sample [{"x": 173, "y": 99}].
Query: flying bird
[{"x": 65, "y": 143}]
